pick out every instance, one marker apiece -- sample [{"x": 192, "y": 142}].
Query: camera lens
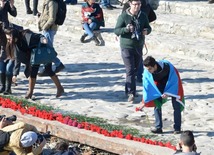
[{"x": 11, "y": 118}]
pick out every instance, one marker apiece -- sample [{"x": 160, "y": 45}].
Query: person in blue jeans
[
  {"x": 6, "y": 74},
  {"x": 92, "y": 19},
  {"x": 49, "y": 34},
  {"x": 49, "y": 28},
  {"x": 161, "y": 72},
  {"x": 7, "y": 63},
  {"x": 106, "y": 4}
]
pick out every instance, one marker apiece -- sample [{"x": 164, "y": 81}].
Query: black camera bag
[{"x": 4, "y": 139}]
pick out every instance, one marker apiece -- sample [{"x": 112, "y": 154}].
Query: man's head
[
  {"x": 187, "y": 138},
  {"x": 135, "y": 5},
  {"x": 150, "y": 64},
  {"x": 28, "y": 139}
]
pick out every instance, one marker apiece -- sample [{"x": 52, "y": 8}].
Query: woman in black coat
[{"x": 19, "y": 45}]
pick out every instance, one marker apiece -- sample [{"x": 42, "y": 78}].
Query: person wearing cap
[{"x": 22, "y": 138}]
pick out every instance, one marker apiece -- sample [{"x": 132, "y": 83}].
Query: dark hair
[
  {"x": 62, "y": 146},
  {"x": 16, "y": 35},
  {"x": 149, "y": 61},
  {"x": 134, "y": 0},
  {"x": 187, "y": 138}
]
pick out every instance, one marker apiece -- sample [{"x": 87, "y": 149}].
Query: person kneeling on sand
[{"x": 186, "y": 146}]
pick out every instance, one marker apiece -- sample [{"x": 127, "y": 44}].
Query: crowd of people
[
  {"x": 160, "y": 79},
  {"x": 16, "y": 46}
]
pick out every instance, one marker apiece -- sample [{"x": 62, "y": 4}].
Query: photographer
[
  {"x": 186, "y": 146},
  {"x": 5, "y": 7},
  {"x": 22, "y": 139},
  {"x": 132, "y": 26}
]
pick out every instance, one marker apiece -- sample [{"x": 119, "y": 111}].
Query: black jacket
[
  {"x": 4, "y": 13},
  {"x": 23, "y": 49}
]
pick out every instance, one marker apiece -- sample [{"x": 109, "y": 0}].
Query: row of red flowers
[{"x": 50, "y": 115}]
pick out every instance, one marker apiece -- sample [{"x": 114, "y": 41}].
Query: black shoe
[
  {"x": 2, "y": 90},
  {"x": 177, "y": 132},
  {"x": 114, "y": 7},
  {"x": 108, "y": 7},
  {"x": 29, "y": 12},
  {"x": 59, "y": 68},
  {"x": 210, "y": 1},
  {"x": 97, "y": 42},
  {"x": 157, "y": 130},
  {"x": 82, "y": 39},
  {"x": 36, "y": 13},
  {"x": 7, "y": 92},
  {"x": 43, "y": 73}
]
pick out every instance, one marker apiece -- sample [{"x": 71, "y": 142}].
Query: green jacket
[
  {"x": 126, "y": 39},
  {"x": 48, "y": 16}
]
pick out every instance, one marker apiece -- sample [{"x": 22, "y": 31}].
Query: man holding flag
[{"x": 161, "y": 80}]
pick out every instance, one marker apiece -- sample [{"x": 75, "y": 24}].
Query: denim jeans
[
  {"x": 177, "y": 116},
  {"x": 49, "y": 34},
  {"x": 140, "y": 72},
  {"x": 131, "y": 59},
  {"x": 89, "y": 28},
  {"x": 7, "y": 67},
  {"x": 104, "y": 3}
]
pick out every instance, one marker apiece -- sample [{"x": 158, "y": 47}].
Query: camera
[
  {"x": 42, "y": 136},
  {"x": 11, "y": 118}
]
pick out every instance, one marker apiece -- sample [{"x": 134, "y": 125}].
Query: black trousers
[{"x": 131, "y": 58}]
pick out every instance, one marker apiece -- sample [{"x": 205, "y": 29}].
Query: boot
[
  {"x": 82, "y": 39},
  {"x": 97, "y": 42},
  {"x": 31, "y": 85},
  {"x": 28, "y": 9},
  {"x": 8, "y": 85},
  {"x": 2, "y": 80},
  {"x": 35, "y": 5},
  {"x": 60, "y": 89}
]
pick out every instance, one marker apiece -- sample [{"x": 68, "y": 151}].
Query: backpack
[
  {"x": 4, "y": 139},
  {"x": 61, "y": 13}
]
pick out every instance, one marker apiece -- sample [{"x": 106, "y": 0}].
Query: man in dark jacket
[
  {"x": 132, "y": 26},
  {"x": 5, "y": 7}
]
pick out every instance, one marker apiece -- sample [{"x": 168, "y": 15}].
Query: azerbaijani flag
[{"x": 173, "y": 88}]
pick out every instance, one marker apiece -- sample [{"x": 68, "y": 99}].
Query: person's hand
[
  {"x": 43, "y": 40},
  {"x": 164, "y": 96},
  {"x": 42, "y": 144},
  {"x": 4, "y": 122},
  {"x": 194, "y": 148},
  {"x": 11, "y": 3},
  {"x": 14, "y": 79},
  {"x": 89, "y": 21},
  {"x": 130, "y": 27},
  {"x": 145, "y": 31},
  {"x": 2, "y": 3},
  {"x": 178, "y": 146},
  {"x": 140, "y": 108}
]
